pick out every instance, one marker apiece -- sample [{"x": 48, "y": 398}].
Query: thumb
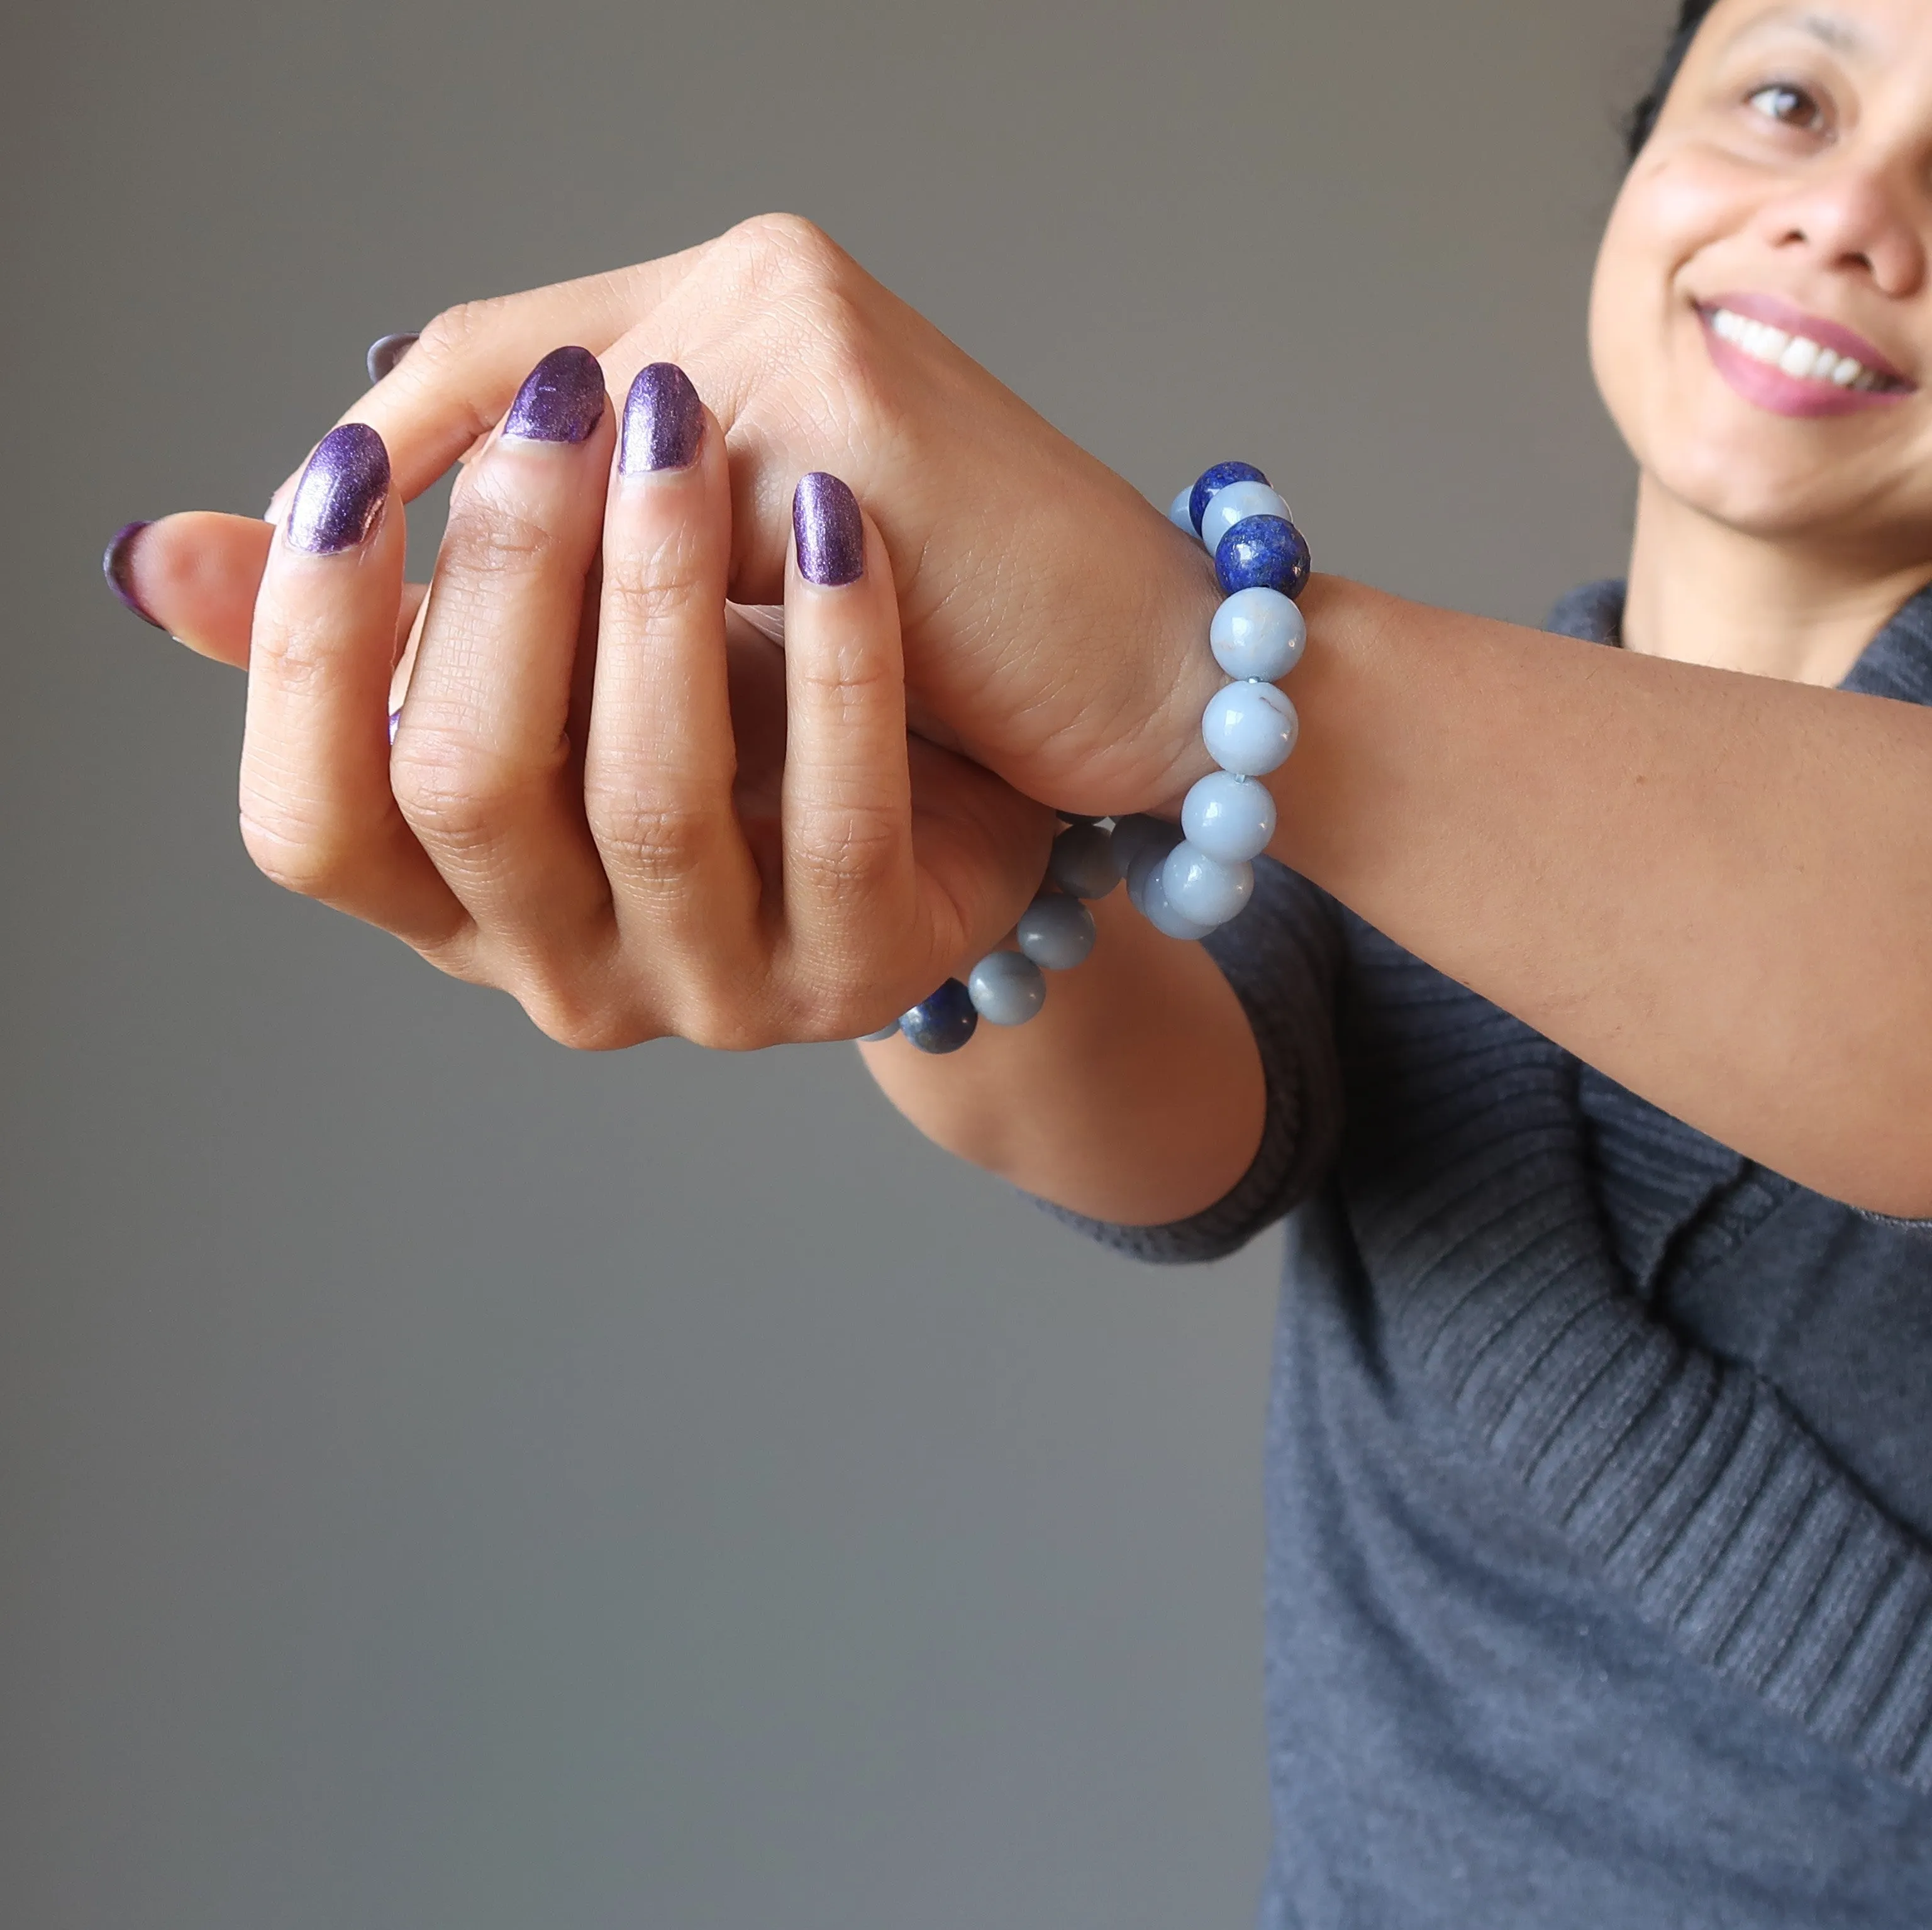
[{"x": 195, "y": 576}]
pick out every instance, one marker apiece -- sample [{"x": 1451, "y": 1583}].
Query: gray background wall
[{"x": 446, "y": 1483}]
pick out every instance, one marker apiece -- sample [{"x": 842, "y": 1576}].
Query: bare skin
[{"x": 1684, "y": 861}]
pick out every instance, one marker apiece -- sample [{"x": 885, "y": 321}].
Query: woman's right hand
[{"x": 1052, "y": 618}]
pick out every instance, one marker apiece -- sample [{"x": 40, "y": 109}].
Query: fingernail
[
  {"x": 341, "y": 492},
  {"x": 117, "y": 566},
  {"x": 825, "y": 525},
  {"x": 664, "y": 421},
  {"x": 385, "y": 352},
  {"x": 562, "y": 400}
]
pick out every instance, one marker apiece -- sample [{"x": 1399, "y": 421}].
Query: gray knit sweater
[{"x": 1599, "y": 1469}]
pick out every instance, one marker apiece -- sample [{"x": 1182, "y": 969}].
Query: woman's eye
[{"x": 1790, "y": 107}]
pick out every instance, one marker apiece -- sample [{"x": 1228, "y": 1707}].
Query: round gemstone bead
[
  {"x": 1007, "y": 989},
  {"x": 1264, "y": 552},
  {"x": 1236, "y": 504},
  {"x": 1056, "y": 932},
  {"x": 1219, "y": 477},
  {"x": 943, "y": 1022},
  {"x": 1204, "y": 889},
  {"x": 1229, "y": 817},
  {"x": 1161, "y": 914},
  {"x": 1147, "y": 861},
  {"x": 1179, "y": 512},
  {"x": 1132, "y": 835},
  {"x": 1258, "y": 633},
  {"x": 884, "y": 1033},
  {"x": 1249, "y": 727},
  {"x": 1082, "y": 864}
]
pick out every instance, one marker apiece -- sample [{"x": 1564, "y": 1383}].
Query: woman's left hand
[{"x": 638, "y": 816}]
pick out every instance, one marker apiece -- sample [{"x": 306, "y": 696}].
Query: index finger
[{"x": 463, "y": 369}]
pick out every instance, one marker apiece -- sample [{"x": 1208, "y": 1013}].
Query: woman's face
[{"x": 1761, "y": 324}]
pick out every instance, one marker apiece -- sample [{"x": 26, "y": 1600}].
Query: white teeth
[
  {"x": 1800, "y": 357},
  {"x": 1797, "y": 355}
]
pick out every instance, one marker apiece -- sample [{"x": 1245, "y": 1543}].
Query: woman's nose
[{"x": 1859, "y": 217}]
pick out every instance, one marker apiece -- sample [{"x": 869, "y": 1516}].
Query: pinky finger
[{"x": 851, "y": 889}]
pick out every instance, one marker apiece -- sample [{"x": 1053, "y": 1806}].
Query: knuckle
[
  {"x": 849, "y": 849},
  {"x": 453, "y": 793},
  {"x": 447, "y": 336},
  {"x": 297, "y": 653},
  {"x": 655, "y": 844},
  {"x": 295, "y": 853},
  {"x": 788, "y": 247},
  {"x": 646, "y": 592},
  {"x": 488, "y": 541}
]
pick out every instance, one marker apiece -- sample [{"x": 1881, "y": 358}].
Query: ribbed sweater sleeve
[{"x": 1281, "y": 956}]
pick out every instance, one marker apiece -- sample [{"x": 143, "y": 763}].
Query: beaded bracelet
[{"x": 1190, "y": 880}]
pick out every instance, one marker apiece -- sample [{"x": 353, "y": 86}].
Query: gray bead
[
  {"x": 1204, "y": 889},
  {"x": 1229, "y": 818},
  {"x": 1006, "y": 988},
  {"x": 884, "y": 1032},
  {"x": 1056, "y": 932},
  {"x": 1147, "y": 864},
  {"x": 1082, "y": 864}
]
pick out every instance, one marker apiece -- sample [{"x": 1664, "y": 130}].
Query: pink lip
[{"x": 1784, "y": 394}]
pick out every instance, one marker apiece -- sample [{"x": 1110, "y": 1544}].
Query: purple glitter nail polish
[
  {"x": 385, "y": 351},
  {"x": 664, "y": 421},
  {"x": 117, "y": 566},
  {"x": 341, "y": 492},
  {"x": 562, "y": 400},
  {"x": 825, "y": 525},
  {"x": 395, "y": 724}
]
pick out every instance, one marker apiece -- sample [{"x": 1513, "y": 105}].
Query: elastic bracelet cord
[{"x": 1186, "y": 880}]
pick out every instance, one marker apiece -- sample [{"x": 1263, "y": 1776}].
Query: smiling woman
[{"x": 1579, "y": 1025}]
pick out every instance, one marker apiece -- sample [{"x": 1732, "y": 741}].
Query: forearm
[
  {"x": 1716, "y": 889},
  {"x": 1136, "y": 1097}
]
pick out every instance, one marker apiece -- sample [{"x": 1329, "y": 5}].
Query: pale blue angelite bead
[
  {"x": 1056, "y": 932},
  {"x": 1082, "y": 863},
  {"x": 1006, "y": 988},
  {"x": 1258, "y": 633},
  {"x": 1236, "y": 504},
  {"x": 1228, "y": 817},
  {"x": 879, "y": 1038},
  {"x": 1249, "y": 727},
  {"x": 1147, "y": 861},
  {"x": 1162, "y": 916},
  {"x": 1204, "y": 889},
  {"x": 1178, "y": 512}
]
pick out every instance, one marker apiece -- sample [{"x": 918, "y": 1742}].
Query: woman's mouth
[{"x": 1795, "y": 364}]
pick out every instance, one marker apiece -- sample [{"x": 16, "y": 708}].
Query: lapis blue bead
[
  {"x": 1219, "y": 477},
  {"x": 1229, "y": 817},
  {"x": 1258, "y": 633},
  {"x": 1263, "y": 552},
  {"x": 1056, "y": 932},
  {"x": 1082, "y": 862},
  {"x": 943, "y": 1022},
  {"x": 1007, "y": 989}
]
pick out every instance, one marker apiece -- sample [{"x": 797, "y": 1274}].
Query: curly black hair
[{"x": 1642, "y": 119}]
